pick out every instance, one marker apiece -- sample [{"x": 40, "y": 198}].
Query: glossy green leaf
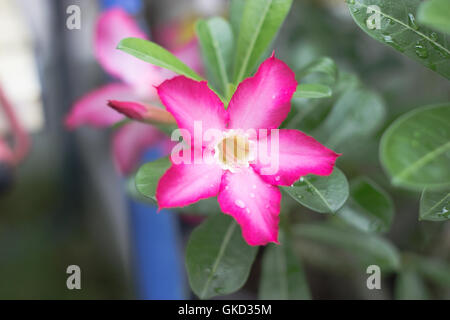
[
  {"x": 218, "y": 260},
  {"x": 435, "y": 14},
  {"x": 398, "y": 28},
  {"x": 369, "y": 248},
  {"x": 260, "y": 22},
  {"x": 148, "y": 176},
  {"x": 415, "y": 149},
  {"x": 435, "y": 205},
  {"x": 313, "y": 91},
  {"x": 410, "y": 286},
  {"x": 216, "y": 41},
  {"x": 282, "y": 276},
  {"x": 358, "y": 113},
  {"x": 321, "y": 194},
  {"x": 152, "y": 53},
  {"x": 369, "y": 208}
]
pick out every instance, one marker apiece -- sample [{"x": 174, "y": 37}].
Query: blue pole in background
[{"x": 156, "y": 247}]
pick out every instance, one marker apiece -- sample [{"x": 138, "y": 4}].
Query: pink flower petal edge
[
  {"x": 298, "y": 155},
  {"x": 188, "y": 101},
  {"x": 184, "y": 184},
  {"x": 92, "y": 108},
  {"x": 254, "y": 204},
  {"x": 113, "y": 26},
  {"x": 130, "y": 142},
  {"x": 263, "y": 101}
]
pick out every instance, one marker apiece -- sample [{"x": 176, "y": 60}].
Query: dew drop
[
  {"x": 252, "y": 195},
  {"x": 277, "y": 178},
  {"x": 388, "y": 39},
  {"x": 434, "y": 36},
  {"x": 247, "y": 210},
  {"x": 421, "y": 50},
  {"x": 254, "y": 186},
  {"x": 412, "y": 21},
  {"x": 240, "y": 204}
]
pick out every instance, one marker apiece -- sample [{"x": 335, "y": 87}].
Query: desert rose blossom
[
  {"x": 137, "y": 80},
  {"x": 237, "y": 176}
]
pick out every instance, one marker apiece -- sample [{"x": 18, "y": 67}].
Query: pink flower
[
  {"x": 238, "y": 179},
  {"x": 136, "y": 81}
]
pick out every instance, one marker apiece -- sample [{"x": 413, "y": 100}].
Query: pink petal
[
  {"x": 92, "y": 109},
  {"x": 263, "y": 101},
  {"x": 6, "y": 154},
  {"x": 142, "y": 112},
  {"x": 112, "y": 26},
  {"x": 184, "y": 184},
  {"x": 253, "y": 203},
  {"x": 131, "y": 141},
  {"x": 188, "y": 101},
  {"x": 298, "y": 155}
]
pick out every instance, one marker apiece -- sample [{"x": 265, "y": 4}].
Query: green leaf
[
  {"x": 410, "y": 286},
  {"x": 218, "y": 260},
  {"x": 216, "y": 41},
  {"x": 435, "y": 270},
  {"x": 236, "y": 11},
  {"x": 435, "y": 14},
  {"x": 367, "y": 247},
  {"x": 415, "y": 149},
  {"x": 369, "y": 208},
  {"x": 357, "y": 114},
  {"x": 312, "y": 91},
  {"x": 151, "y": 52},
  {"x": 324, "y": 65},
  {"x": 435, "y": 205},
  {"x": 260, "y": 22},
  {"x": 148, "y": 176},
  {"x": 282, "y": 276},
  {"x": 399, "y": 30},
  {"x": 321, "y": 194}
]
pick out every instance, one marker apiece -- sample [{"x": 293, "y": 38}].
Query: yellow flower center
[{"x": 233, "y": 151}]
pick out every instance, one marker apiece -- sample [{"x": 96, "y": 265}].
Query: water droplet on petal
[
  {"x": 254, "y": 186},
  {"x": 252, "y": 195},
  {"x": 277, "y": 178},
  {"x": 240, "y": 204}
]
